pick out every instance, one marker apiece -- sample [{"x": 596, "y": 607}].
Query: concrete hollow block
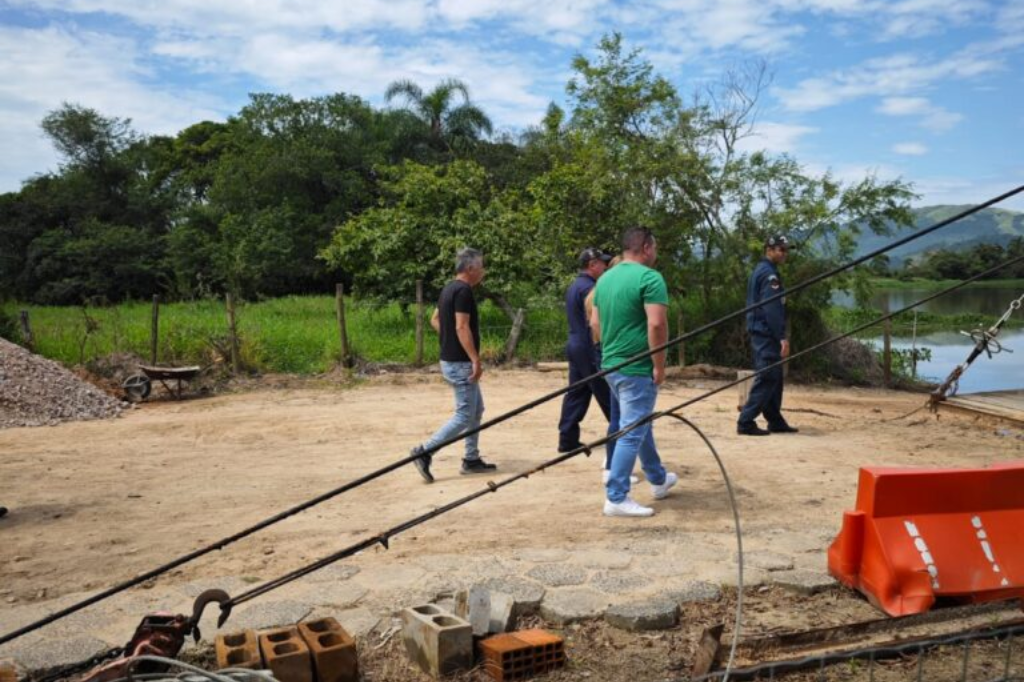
[
  {"x": 335, "y": 658},
  {"x": 286, "y": 655},
  {"x": 439, "y": 642},
  {"x": 238, "y": 650}
]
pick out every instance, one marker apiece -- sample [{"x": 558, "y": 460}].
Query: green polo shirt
[{"x": 620, "y": 296}]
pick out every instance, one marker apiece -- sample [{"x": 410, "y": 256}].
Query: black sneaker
[
  {"x": 3, "y": 512},
  {"x": 782, "y": 428},
  {"x": 422, "y": 463},
  {"x": 751, "y": 430},
  {"x": 477, "y": 466}
]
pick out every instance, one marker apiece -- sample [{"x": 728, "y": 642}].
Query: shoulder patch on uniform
[{"x": 773, "y": 282}]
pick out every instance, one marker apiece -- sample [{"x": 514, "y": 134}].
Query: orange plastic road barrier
[{"x": 920, "y": 534}]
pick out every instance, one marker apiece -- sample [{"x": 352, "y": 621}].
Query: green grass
[
  {"x": 296, "y": 334},
  {"x": 843, "y": 319}
]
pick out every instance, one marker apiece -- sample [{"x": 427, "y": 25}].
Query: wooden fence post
[
  {"x": 886, "y": 345},
  {"x": 513, "y": 336},
  {"x": 26, "y": 331},
  {"x": 154, "y": 330},
  {"x": 233, "y": 333},
  {"x": 679, "y": 332},
  {"x": 420, "y": 312},
  {"x": 339, "y": 307}
]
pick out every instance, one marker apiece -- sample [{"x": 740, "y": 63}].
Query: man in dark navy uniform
[
  {"x": 584, "y": 357},
  {"x": 766, "y": 326}
]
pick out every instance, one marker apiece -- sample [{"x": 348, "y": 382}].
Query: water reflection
[
  {"x": 984, "y": 301},
  {"x": 1004, "y": 371},
  {"x": 950, "y": 348}
]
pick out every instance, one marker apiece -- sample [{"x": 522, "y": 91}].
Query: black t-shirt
[{"x": 456, "y": 297}]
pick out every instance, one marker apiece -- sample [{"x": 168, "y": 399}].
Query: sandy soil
[{"x": 97, "y": 502}]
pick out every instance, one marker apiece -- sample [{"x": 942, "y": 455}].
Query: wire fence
[{"x": 986, "y": 654}]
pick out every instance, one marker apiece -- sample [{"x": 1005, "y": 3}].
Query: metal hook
[{"x": 208, "y": 597}]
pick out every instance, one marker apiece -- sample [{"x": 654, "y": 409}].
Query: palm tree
[{"x": 452, "y": 126}]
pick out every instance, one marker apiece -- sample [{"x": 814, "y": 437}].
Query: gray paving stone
[
  {"x": 526, "y": 593},
  {"x": 766, "y": 560},
  {"x": 334, "y": 572},
  {"x": 602, "y": 558},
  {"x": 571, "y": 604},
  {"x": 662, "y": 567},
  {"x": 727, "y": 575},
  {"x": 653, "y": 614},
  {"x": 358, "y": 621},
  {"x": 558, "y": 575},
  {"x": 619, "y": 582},
  {"x": 540, "y": 556},
  {"x": 231, "y": 584},
  {"x": 36, "y": 653},
  {"x": 337, "y": 594},
  {"x": 392, "y": 577},
  {"x": 270, "y": 614},
  {"x": 803, "y": 581},
  {"x": 694, "y": 591}
]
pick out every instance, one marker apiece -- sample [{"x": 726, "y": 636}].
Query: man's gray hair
[{"x": 467, "y": 258}]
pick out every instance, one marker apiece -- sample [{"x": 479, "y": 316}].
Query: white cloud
[
  {"x": 932, "y": 117},
  {"x": 45, "y": 67},
  {"x": 777, "y": 138},
  {"x": 895, "y": 75},
  {"x": 910, "y": 149}
]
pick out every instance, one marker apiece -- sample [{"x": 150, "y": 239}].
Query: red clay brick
[
  {"x": 286, "y": 655},
  {"x": 335, "y": 658},
  {"x": 238, "y": 650},
  {"x": 521, "y": 655}
]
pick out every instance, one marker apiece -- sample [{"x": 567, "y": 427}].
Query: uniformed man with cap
[
  {"x": 584, "y": 357},
  {"x": 766, "y": 326}
]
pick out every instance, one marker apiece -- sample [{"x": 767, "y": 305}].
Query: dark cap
[
  {"x": 777, "y": 240},
  {"x": 591, "y": 253}
]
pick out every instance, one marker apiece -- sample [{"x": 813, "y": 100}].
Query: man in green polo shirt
[{"x": 630, "y": 309}]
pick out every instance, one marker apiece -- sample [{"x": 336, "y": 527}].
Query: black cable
[
  {"x": 384, "y": 538},
  {"x": 139, "y": 579}
]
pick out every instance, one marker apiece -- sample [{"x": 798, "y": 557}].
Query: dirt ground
[{"x": 94, "y": 503}]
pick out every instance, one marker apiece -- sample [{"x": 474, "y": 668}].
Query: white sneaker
[
  {"x": 606, "y": 474},
  {"x": 660, "y": 492},
  {"x": 626, "y": 508}
]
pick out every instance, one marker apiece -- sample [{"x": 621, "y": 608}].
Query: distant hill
[{"x": 988, "y": 226}]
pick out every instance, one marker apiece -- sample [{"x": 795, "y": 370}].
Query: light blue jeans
[
  {"x": 636, "y": 397},
  {"x": 469, "y": 408}
]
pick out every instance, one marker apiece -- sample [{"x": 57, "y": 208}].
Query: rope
[{"x": 220, "y": 544}]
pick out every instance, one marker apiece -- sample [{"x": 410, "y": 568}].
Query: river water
[{"x": 949, "y": 348}]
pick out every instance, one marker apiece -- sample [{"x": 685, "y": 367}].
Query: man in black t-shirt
[{"x": 457, "y": 323}]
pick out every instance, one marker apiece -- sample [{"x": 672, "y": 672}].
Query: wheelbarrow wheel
[{"x": 137, "y": 387}]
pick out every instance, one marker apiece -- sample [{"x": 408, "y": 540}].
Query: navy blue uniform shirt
[
  {"x": 770, "y": 319},
  {"x": 576, "y": 311}
]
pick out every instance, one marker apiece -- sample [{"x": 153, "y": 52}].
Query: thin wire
[{"x": 739, "y": 543}]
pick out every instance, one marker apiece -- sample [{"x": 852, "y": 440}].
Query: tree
[
  {"x": 451, "y": 126},
  {"x": 425, "y": 215}
]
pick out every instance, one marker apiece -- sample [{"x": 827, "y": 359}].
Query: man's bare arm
[
  {"x": 465, "y": 334},
  {"x": 657, "y": 335}
]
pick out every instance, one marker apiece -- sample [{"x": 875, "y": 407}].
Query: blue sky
[{"x": 927, "y": 90}]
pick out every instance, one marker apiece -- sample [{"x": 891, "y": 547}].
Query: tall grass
[{"x": 296, "y": 334}]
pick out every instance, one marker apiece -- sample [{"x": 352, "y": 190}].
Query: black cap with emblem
[{"x": 777, "y": 241}]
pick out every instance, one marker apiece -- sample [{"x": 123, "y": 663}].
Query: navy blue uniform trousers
[
  {"x": 766, "y": 394},
  {"x": 583, "y": 362}
]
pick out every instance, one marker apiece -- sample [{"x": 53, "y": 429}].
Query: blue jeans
[
  {"x": 636, "y": 397},
  {"x": 613, "y": 426},
  {"x": 469, "y": 408}
]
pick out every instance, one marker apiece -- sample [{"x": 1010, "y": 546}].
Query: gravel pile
[{"x": 35, "y": 391}]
